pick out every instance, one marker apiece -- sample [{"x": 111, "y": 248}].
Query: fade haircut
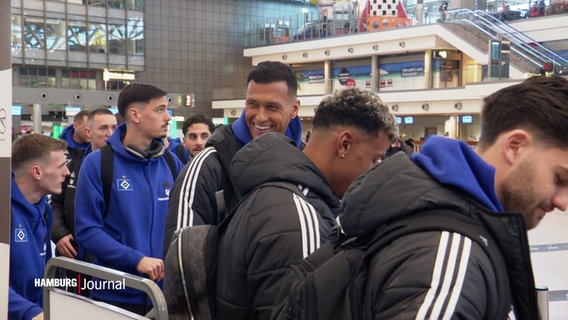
[
  {"x": 33, "y": 147},
  {"x": 96, "y": 112},
  {"x": 80, "y": 116},
  {"x": 198, "y": 118},
  {"x": 273, "y": 71},
  {"x": 538, "y": 104},
  {"x": 357, "y": 108},
  {"x": 137, "y": 92}
]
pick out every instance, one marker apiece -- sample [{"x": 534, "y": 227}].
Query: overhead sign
[{"x": 116, "y": 75}]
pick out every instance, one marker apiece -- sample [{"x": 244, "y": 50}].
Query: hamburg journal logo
[{"x": 80, "y": 283}]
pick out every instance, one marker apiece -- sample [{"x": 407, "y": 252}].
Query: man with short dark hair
[
  {"x": 274, "y": 227},
  {"x": 127, "y": 233},
  {"x": 74, "y": 134},
  {"x": 517, "y": 173},
  {"x": 196, "y": 131},
  {"x": 38, "y": 169},
  {"x": 271, "y": 106}
]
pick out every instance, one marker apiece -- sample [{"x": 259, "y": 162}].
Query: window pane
[
  {"x": 117, "y": 38},
  {"x": 136, "y": 36},
  {"x": 55, "y": 37},
  {"x": 34, "y": 32},
  {"x": 97, "y": 38},
  {"x": 77, "y": 34},
  {"x": 16, "y": 36}
]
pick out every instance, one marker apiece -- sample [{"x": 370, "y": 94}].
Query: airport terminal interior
[{"x": 432, "y": 68}]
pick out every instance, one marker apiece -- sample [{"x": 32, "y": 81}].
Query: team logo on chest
[
  {"x": 124, "y": 184},
  {"x": 20, "y": 235}
]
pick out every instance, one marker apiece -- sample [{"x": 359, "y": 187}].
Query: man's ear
[
  {"x": 344, "y": 141},
  {"x": 36, "y": 172},
  {"x": 133, "y": 115},
  {"x": 296, "y": 109},
  {"x": 515, "y": 143},
  {"x": 88, "y": 132}
]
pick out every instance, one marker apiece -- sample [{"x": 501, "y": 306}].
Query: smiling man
[
  {"x": 517, "y": 173},
  {"x": 127, "y": 233},
  {"x": 271, "y": 105}
]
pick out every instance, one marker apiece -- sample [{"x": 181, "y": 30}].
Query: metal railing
[{"x": 146, "y": 285}]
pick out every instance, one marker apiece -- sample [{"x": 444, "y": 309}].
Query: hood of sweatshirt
[
  {"x": 400, "y": 185},
  {"x": 115, "y": 141},
  {"x": 67, "y": 135},
  {"x": 467, "y": 171}
]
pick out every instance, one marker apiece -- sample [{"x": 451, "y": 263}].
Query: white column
[
  {"x": 5, "y": 152},
  {"x": 37, "y": 117},
  {"x": 327, "y": 76},
  {"x": 374, "y": 73}
]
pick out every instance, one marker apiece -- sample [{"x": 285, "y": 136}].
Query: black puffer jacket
[
  {"x": 436, "y": 274},
  {"x": 272, "y": 228}
]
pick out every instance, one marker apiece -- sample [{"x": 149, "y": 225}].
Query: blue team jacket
[
  {"x": 30, "y": 248},
  {"x": 135, "y": 222}
]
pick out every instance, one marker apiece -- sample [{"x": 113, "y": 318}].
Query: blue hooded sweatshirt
[
  {"x": 134, "y": 224},
  {"x": 67, "y": 136},
  {"x": 453, "y": 162},
  {"x": 241, "y": 131},
  {"x": 30, "y": 248}
]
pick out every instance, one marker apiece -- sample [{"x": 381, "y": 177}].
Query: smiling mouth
[{"x": 261, "y": 128}]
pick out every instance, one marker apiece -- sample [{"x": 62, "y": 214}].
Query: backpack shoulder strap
[
  {"x": 171, "y": 163},
  {"x": 282, "y": 184},
  {"x": 107, "y": 168},
  {"x": 226, "y": 150},
  {"x": 180, "y": 153}
]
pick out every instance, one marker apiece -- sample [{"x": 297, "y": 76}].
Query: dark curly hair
[{"x": 353, "y": 107}]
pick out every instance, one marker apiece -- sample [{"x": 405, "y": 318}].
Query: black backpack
[
  {"x": 180, "y": 153},
  {"x": 190, "y": 266},
  {"x": 330, "y": 283},
  {"x": 107, "y": 170}
]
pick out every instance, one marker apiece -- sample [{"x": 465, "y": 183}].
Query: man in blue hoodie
[
  {"x": 127, "y": 233},
  {"x": 39, "y": 166},
  {"x": 517, "y": 173},
  {"x": 271, "y": 105},
  {"x": 75, "y": 134}
]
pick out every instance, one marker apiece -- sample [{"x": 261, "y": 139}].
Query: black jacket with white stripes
[
  {"x": 272, "y": 228},
  {"x": 192, "y": 199},
  {"x": 437, "y": 275}
]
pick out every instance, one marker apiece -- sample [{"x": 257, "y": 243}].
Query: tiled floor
[{"x": 549, "y": 244}]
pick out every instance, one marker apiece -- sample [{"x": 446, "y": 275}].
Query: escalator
[{"x": 479, "y": 28}]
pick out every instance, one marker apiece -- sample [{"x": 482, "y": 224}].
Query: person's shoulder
[
  {"x": 275, "y": 194},
  {"x": 205, "y": 162},
  {"x": 221, "y": 134}
]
